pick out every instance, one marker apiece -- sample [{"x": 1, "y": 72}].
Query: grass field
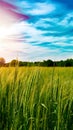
[{"x": 36, "y": 98}]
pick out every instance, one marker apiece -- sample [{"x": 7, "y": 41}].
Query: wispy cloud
[{"x": 42, "y": 9}]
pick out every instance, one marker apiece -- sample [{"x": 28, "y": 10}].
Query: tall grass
[{"x": 36, "y": 98}]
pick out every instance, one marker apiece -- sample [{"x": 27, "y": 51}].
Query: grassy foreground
[{"x": 36, "y": 98}]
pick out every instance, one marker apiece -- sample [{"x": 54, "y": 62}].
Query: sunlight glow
[
  {"x": 3, "y": 32},
  {"x": 5, "y": 35},
  {"x": 6, "y": 22}
]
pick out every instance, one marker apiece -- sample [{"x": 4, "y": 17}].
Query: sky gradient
[{"x": 34, "y": 30}]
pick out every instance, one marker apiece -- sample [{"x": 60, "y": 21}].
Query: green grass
[{"x": 36, "y": 98}]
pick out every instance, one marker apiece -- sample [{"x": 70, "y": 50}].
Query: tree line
[{"x": 44, "y": 63}]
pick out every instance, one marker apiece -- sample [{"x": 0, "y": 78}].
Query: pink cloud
[{"x": 12, "y": 10}]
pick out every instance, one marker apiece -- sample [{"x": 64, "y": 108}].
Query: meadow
[{"x": 36, "y": 98}]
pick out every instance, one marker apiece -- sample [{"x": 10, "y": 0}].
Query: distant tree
[
  {"x": 14, "y": 62},
  {"x": 48, "y": 63},
  {"x": 60, "y": 63},
  {"x": 45, "y": 63},
  {"x": 2, "y": 61},
  {"x": 21, "y": 63},
  {"x": 69, "y": 62}
]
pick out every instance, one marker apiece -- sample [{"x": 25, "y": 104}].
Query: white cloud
[
  {"x": 36, "y": 8},
  {"x": 41, "y": 9},
  {"x": 67, "y": 20},
  {"x": 42, "y": 23},
  {"x": 23, "y": 5},
  {"x": 32, "y": 34},
  {"x": 24, "y": 51}
]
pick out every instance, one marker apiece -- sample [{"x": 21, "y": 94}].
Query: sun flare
[
  {"x": 5, "y": 23},
  {"x": 3, "y": 32}
]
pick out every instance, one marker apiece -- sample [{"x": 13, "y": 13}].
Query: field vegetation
[{"x": 36, "y": 98}]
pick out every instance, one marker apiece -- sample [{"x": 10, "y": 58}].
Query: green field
[{"x": 36, "y": 98}]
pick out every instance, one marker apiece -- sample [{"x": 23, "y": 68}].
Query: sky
[{"x": 34, "y": 30}]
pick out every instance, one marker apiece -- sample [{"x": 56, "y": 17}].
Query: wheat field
[{"x": 36, "y": 98}]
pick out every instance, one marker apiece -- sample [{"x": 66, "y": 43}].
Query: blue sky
[{"x": 47, "y": 34}]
